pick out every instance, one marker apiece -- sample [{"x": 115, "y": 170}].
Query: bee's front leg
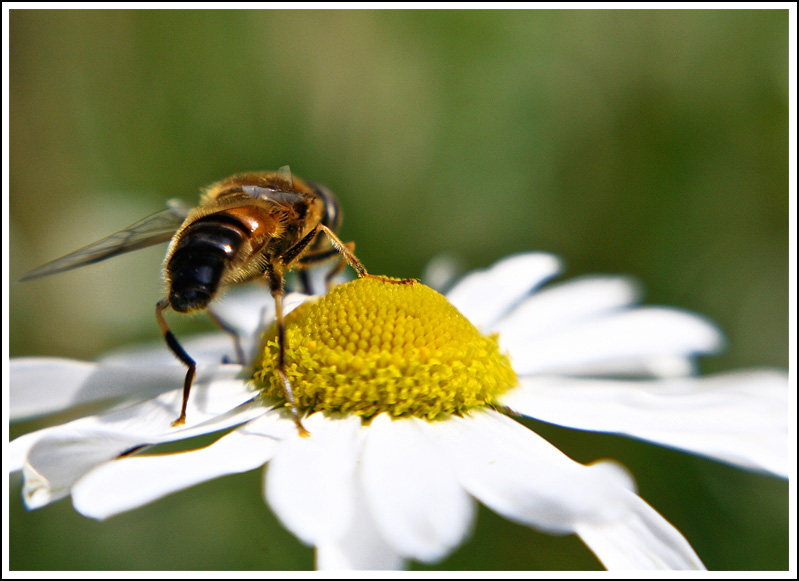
[{"x": 181, "y": 354}]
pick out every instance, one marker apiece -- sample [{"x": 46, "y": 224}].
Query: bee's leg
[
  {"x": 293, "y": 255},
  {"x": 305, "y": 282},
  {"x": 276, "y": 286},
  {"x": 355, "y": 263},
  {"x": 175, "y": 347},
  {"x": 322, "y": 256},
  {"x": 233, "y": 334},
  {"x": 294, "y": 252},
  {"x": 345, "y": 250}
]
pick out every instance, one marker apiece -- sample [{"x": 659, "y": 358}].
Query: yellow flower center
[{"x": 372, "y": 346}]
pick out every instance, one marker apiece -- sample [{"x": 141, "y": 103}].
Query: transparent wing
[
  {"x": 281, "y": 192},
  {"x": 284, "y": 178},
  {"x": 158, "y": 227},
  {"x": 274, "y": 196}
]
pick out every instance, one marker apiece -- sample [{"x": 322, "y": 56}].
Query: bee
[{"x": 248, "y": 226}]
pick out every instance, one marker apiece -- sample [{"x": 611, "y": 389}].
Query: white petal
[
  {"x": 626, "y": 336},
  {"x": 310, "y": 481},
  {"x": 563, "y": 305},
  {"x": 524, "y": 478},
  {"x": 19, "y": 448},
  {"x": 441, "y": 271},
  {"x": 485, "y": 295},
  {"x": 643, "y": 539},
  {"x": 361, "y": 547},
  {"x": 410, "y": 487},
  {"x": 56, "y": 461},
  {"x": 41, "y": 386},
  {"x": 276, "y": 423},
  {"x": 247, "y": 309},
  {"x": 131, "y": 482},
  {"x": 739, "y": 417},
  {"x": 56, "y": 457},
  {"x": 638, "y": 367},
  {"x": 216, "y": 402},
  {"x": 45, "y": 385},
  {"x": 206, "y": 349}
]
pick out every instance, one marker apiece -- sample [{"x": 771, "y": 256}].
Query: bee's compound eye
[
  {"x": 332, "y": 217},
  {"x": 332, "y": 213}
]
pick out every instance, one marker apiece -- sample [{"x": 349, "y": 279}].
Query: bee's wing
[
  {"x": 284, "y": 178},
  {"x": 274, "y": 196},
  {"x": 284, "y": 196},
  {"x": 158, "y": 227}
]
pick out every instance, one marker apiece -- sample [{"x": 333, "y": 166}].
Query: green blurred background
[{"x": 652, "y": 143}]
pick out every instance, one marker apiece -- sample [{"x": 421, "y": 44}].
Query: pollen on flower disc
[{"x": 372, "y": 346}]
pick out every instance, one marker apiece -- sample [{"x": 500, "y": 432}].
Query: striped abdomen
[{"x": 199, "y": 258}]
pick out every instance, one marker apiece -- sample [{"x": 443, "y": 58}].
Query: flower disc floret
[{"x": 375, "y": 345}]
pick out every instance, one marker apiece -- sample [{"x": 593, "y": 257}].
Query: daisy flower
[{"x": 410, "y": 400}]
